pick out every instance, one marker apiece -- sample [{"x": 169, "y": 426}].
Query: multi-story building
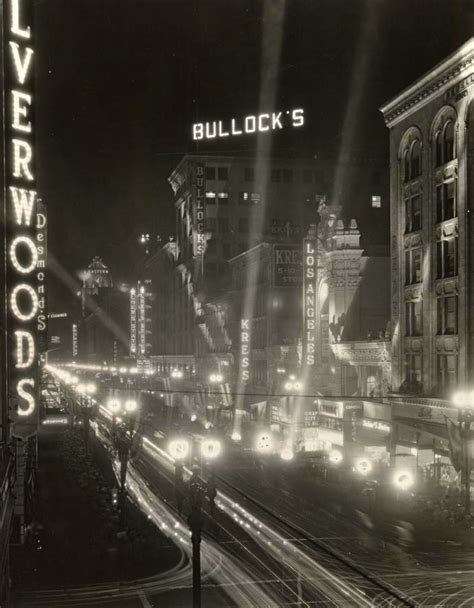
[{"x": 431, "y": 127}]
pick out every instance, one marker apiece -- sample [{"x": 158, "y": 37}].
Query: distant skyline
[{"x": 120, "y": 84}]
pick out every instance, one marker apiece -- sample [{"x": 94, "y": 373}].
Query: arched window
[
  {"x": 439, "y": 149},
  {"x": 406, "y": 166},
  {"x": 448, "y": 141},
  {"x": 412, "y": 161},
  {"x": 415, "y": 160}
]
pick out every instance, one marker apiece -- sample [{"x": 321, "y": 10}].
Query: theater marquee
[{"x": 24, "y": 286}]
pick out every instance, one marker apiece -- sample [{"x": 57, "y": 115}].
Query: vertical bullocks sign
[
  {"x": 199, "y": 211},
  {"x": 309, "y": 301},
  {"x": 23, "y": 302},
  {"x": 133, "y": 322}
]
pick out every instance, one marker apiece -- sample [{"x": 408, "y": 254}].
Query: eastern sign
[
  {"x": 309, "y": 301},
  {"x": 24, "y": 302},
  {"x": 286, "y": 265},
  {"x": 259, "y": 123}
]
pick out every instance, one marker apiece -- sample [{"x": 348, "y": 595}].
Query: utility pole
[{"x": 195, "y": 524}]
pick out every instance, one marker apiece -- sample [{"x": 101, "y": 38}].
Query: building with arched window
[{"x": 431, "y": 152}]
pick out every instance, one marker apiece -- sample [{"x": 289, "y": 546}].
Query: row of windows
[
  {"x": 221, "y": 224},
  {"x": 446, "y": 371},
  {"x": 446, "y": 208},
  {"x": 446, "y": 261},
  {"x": 447, "y": 317},
  {"x": 444, "y": 149},
  {"x": 277, "y": 175}
]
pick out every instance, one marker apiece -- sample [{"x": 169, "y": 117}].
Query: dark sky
[{"x": 119, "y": 83}]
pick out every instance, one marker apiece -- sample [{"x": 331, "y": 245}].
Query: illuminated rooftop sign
[
  {"x": 24, "y": 284},
  {"x": 258, "y": 123}
]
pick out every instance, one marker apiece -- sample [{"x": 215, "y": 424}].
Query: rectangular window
[
  {"x": 211, "y": 224},
  {"x": 413, "y": 372},
  {"x": 447, "y": 370},
  {"x": 376, "y": 201},
  {"x": 255, "y": 198},
  {"x": 446, "y": 201},
  {"x": 223, "y": 198},
  {"x": 243, "y": 224},
  {"x": 446, "y": 253},
  {"x": 413, "y": 266},
  {"x": 447, "y": 315},
  {"x": 222, "y": 173},
  {"x": 414, "y": 318},
  {"x": 244, "y": 198},
  {"x": 226, "y": 252},
  {"x": 413, "y": 213},
  {"x": 210, "y": 173},
  {"x": 249, "y": 174},
  {"x": 287, "y": 175},
  {"x": 307, "y": 176},
  {"x": 223, "y": 224},
  {"x": 210, "y": 198},
  {"x": 276, "y": 175}
]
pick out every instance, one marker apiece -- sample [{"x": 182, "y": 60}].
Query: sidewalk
[{"x": 74, "y": 538}]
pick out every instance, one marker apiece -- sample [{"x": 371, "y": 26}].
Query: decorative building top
[
  {"x": 452, "y": 77},
  {"x": 97, "y": 275}
]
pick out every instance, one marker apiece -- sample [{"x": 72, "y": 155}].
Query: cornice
[{"x": 440, "y": 79}]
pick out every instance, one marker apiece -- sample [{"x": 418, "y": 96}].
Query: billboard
[
  {"x": 287, "y": 265},
  {"x": 24, "y": 298}
]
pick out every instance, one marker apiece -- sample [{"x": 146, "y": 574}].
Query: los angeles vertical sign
[{"x": 24, "y": 277}]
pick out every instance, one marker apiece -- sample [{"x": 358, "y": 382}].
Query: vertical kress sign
[
  {"x": 23, "y": 297},
  {"x": 309, "y": 301}
]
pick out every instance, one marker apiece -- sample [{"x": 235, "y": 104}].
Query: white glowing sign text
[
  {"x": 259, "y": 123},
  {"x": 244, "y": 350},
  {"x": 309, "y": 301},
  {"x": 25, "y": 237}
]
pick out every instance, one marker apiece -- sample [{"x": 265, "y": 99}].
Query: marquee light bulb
[
  {"x": 34, "y": 301},
  {"x": 34, "y": 254}
]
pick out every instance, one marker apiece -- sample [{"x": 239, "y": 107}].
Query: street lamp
[
  {"x": 85, "y": 401},
  {"x": 335, "y": 457},
  {"x": 176, "y": 373},
  {"x": 464, "y": 401},
  {"x": 403, "y": 480},
  {"x": 179, "y": 449},
  {"x": 122, "y": 440},
  {"x": 363, "y": 466}
]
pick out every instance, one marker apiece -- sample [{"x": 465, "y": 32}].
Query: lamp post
[
  {"x": 464, "y": 401},
  {"x": 123, "y": 438},
  {"x": 85, "y": 400},
  {"x": 180, "y": 448}
]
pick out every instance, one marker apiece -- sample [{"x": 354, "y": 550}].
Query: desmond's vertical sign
[
  {"x": 23, "y": 300},
  {"x": 309, "y": 301}
]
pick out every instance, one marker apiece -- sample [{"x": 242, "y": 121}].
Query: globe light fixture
[
  {"x": 287, "y": 454},
  {"x": 130, "y": 406},
  {"x": 179, "y": 448},
  {"x": 363, "y": 466},
  {"x": 210, "y": 448},
  {"x": 113, "y": 405},
  {"x": 335, "y": 456},
  {"x": 403, "y": 480},
  {"x": 236, "y": 436}
]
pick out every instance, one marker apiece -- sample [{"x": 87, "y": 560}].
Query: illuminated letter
[
  {"x": 21, "y": 65},
  {"x": 20, "y": 336},
  {"x": 34, "y": 254},
  {"x": 233, "y": 129},
  {"x": 222, "y": 133},
  {"x": 260, "y": 122},
  {"x": 21, "y": 162},
  {"x": 276, "y": 120},
  {"x": 198, "y": 129},
  {"x": 40, "y": 221},
  {"x": 34, "y": 302},
  {"x": 298, "y": 118},
  {"x": 23, "y": 201},
  {"x": 16, "y": 21},
  {"x": 26, "y": 396},
  {"x": 209, "y": 134},
  {"x": 250, "y": 120},
  {"x": 20, "y": 110}
]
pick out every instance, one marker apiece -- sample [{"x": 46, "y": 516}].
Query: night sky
[{"x": 120, "y": 82}]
